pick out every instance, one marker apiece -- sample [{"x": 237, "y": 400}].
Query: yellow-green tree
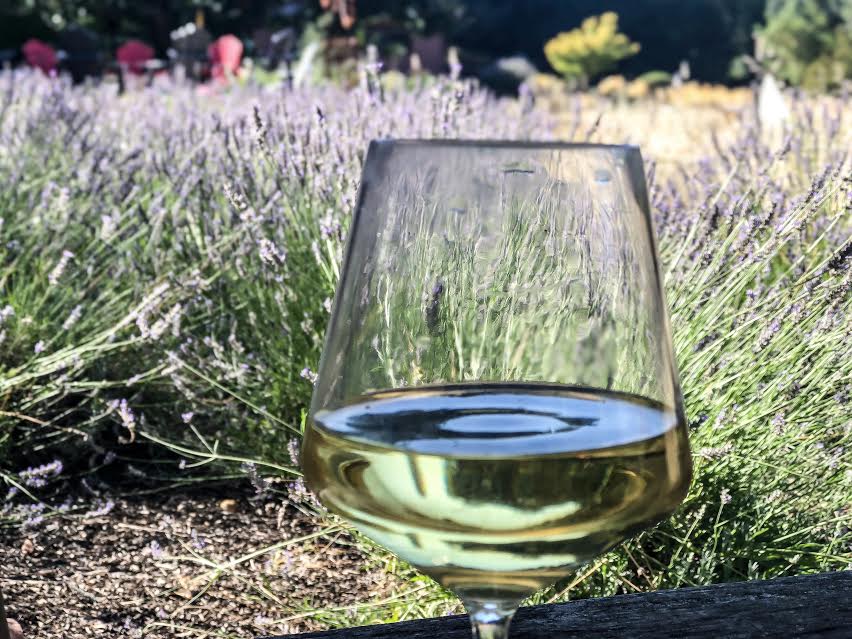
[{"x": 594, "y": 47}]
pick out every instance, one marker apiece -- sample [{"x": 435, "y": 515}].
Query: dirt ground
[{"x": 201, "y": 563}]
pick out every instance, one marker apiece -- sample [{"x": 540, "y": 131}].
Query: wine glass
[{"x": 497, "y": 399}]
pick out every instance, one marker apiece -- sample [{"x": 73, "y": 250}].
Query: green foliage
[
  {"x": 595, "y": 47},
  {"x": 655, "y": 78},
  {"x": 808, "y": 43}
]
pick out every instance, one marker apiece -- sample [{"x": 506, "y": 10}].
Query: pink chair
[
  {"x": 225, "y": 56},
  {"x": 40, "y": 55},
  {"x": 133, "y": 54}
]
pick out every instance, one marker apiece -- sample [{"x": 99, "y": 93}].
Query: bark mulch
[{"x": 177, "y": 564}]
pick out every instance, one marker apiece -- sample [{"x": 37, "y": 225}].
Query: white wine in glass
[{"x": 497, "y": 401}]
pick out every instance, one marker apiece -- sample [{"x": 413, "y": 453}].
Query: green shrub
[
  {"x": 655, "y": 78},
  {"x": 595, "y": 47},
  {"x": 808, "y": 43}
]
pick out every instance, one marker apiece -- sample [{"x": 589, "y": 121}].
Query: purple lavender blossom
[
  {"x": 293, "y": 452},
  {"x": 716, "y": 452},
  {"x": 767, "y": 334},
  {"x": 54, "y": 276},
  {"x": 103, "y": 508},
  {"x": 5, "y": 313},
  {"x": 198, "y": 542},
  {"x": 72, "y": 318},
  {"x": 287, "y": 564},
  {"x": 33, "y": 514},
  {"x": 125, "y": 413},
  {"x": 270, "y": 253},
  {"x": 778, "y": 423},
  {"x": 260, "y": 483},
  {"x": 37, "y": 477}
]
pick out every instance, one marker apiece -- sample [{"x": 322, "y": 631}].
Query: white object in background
[
  {"x": 302, "y": 72},
  {"x": 682, "y": 74},
  {"x": 772, "y": 109}
]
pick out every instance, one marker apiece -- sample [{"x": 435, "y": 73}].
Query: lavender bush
[
  {"x": 168, "y": 258},
  {"x": 167, "y": 262}
]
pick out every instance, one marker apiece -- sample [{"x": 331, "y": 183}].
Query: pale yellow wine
[{"x": 497, "y": 489}]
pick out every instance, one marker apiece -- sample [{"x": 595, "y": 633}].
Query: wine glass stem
[{"x": 490, "y": 620}]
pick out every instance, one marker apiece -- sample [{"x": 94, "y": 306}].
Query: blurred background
[{"x": 804, "y": 42}]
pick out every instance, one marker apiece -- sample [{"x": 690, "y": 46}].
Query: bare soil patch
[{"x": 182, "y": 564}]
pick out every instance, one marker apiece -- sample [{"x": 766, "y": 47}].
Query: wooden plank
[
  {"x": 4, "y": 628},
  {"x": 809, "y": 606}
]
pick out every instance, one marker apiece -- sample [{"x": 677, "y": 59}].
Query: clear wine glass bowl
[{"x": 497, "y": 400}]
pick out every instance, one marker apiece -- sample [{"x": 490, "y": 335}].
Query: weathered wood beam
[{"x": 808, "y": 606}]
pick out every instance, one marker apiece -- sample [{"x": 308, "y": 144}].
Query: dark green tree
[{"x": 808, "y": 43}]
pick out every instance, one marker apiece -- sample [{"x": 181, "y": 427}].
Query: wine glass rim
[{"x": 511, "y": 144}]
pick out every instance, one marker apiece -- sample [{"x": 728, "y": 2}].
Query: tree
[
  {"x": 808, "y": 43},
  {"x": 593, "y": 48},
  {"x": 150, "y": 21}
]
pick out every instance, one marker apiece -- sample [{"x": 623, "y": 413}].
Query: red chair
[
  {"x": 40, "y": 55},
  {"x": 225, "y": 55},
  {"x": 133, "y": 55}
]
